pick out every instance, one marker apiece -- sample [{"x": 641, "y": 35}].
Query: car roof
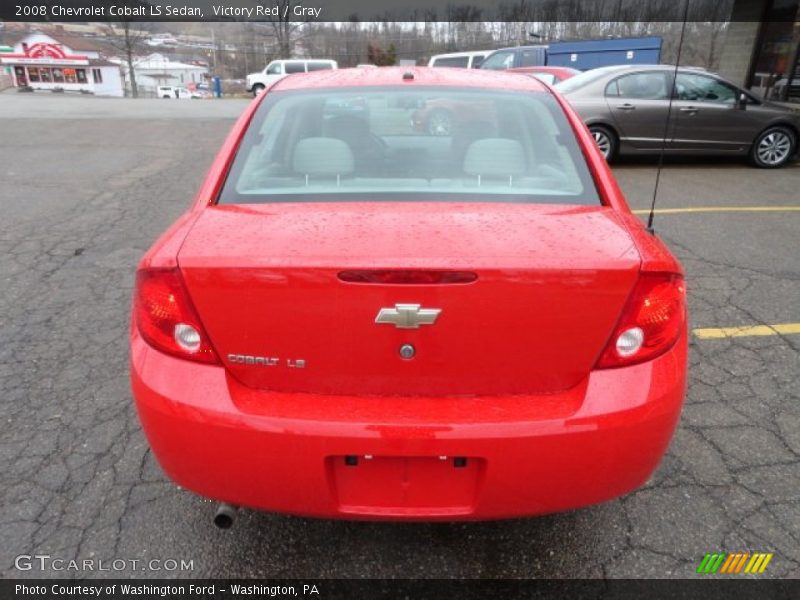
[
  {"x": 300, "y": 60},
  {"x": 396, "y": 76},
  {"x": 645, "y": 67},
  {"x": 543, "y": 69},
  {"x": 466, "y": 53},
  {"x": 520, "y": 47}
]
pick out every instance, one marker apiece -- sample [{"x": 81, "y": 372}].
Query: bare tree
[
  {"x": 717, "y": 30},
  {"x": 286, "y": 27},
  {"x": 129, "y": 41},
  {"x": 380, "y": 57}
]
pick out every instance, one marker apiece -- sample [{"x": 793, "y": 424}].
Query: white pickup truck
[{"x": 278, "y": 69}]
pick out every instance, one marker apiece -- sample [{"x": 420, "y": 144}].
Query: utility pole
[{"x": 214, "y": 51}]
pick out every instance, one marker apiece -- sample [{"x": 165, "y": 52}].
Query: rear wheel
[
  {"x": 606, "y": 141},
  {"x": 257, "y": 89},
  {"x": 773, "y": 148}
]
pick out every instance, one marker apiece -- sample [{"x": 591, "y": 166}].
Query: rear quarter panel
[{"x": 654, "y": 253}]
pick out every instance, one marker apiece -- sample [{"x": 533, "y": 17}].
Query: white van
[
  {"x": 277, "y": 69},
  {"x": 466, "y": 60}
]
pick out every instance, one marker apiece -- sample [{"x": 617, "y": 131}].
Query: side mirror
[{"x": 741, "y": 102}]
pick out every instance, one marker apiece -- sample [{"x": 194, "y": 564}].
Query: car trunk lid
[{"x": 549, "y": 284}]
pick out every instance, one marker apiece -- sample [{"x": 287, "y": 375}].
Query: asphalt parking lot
[{"x": 87, "y": 184}]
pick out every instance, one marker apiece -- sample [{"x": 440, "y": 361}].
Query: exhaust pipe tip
[{"x": 225, "y": 516}]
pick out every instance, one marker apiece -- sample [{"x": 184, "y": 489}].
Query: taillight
[
  {"x": 165, "y": 318},
  {"x": 651, "y": 322}
]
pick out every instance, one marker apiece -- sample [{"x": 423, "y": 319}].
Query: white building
[
  {"x": 46, "y": 62},
  {"x": 156, "y": 69}
]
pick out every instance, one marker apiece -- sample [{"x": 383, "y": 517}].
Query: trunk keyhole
[{"x": 407, "y": 351}]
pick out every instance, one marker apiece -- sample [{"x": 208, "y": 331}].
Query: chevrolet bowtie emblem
[{"x": 408, "y": 316}]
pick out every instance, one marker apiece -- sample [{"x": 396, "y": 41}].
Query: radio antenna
[{"x": 672, "y": 89}]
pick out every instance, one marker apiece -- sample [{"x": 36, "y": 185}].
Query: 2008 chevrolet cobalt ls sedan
[{"x": 359, "y": 319}]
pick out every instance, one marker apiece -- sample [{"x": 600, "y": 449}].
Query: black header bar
[{"x": 527, "y": 11}]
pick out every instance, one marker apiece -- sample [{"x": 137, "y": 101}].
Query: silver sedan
[{"x": 626, "y": 109}]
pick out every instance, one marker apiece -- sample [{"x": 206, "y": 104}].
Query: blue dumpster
[{"x": 591, "y": 54}]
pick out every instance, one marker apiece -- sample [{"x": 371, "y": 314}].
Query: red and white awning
[{"x": 44, "y": 54}]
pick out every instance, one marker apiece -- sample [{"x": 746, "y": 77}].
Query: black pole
[{"x": 667, "y": 120}]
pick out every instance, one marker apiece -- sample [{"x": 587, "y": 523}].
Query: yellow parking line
[
  {"x": 747, "y": 330},
  {"x": 711, "y": 209}
]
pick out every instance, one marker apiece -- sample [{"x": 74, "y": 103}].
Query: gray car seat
[
  {"x": 322, "y": 158},
  {"x": 495, "y": 158}
]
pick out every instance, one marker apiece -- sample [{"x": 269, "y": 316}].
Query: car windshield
[
  {"x": 426, "y": 144},
  {"x": 574, "y": 83},
  {"x": 499, "y": 60}
]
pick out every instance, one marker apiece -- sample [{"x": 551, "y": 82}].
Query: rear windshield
[
  {"x": 451, "y": 61},
  {"x": 425, "y": 144}
]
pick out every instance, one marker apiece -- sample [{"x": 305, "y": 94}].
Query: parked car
[
  {"x": 626, "y": 110},
  {"x": 277, "y": 69},
  {"x": 409, "y": 333},
  {"x": 550, "y": 75},
  {"x": 168, "y": 91},
  {"x": 165, "y": 40},
  {"x": 511, "y": 58},
  {"x": 355, "y": 106},
  {"x": 442, "y": 116},
  {"x": 199, "y": 90},
  {"x": 466, "y": 60}
]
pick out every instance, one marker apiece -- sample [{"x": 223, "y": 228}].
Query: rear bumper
[{"x": 525, "y": 455}]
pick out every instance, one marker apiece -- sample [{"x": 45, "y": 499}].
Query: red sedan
[
  {"x": 359, "y": 320},
  {"x": 550, "y": 75}
]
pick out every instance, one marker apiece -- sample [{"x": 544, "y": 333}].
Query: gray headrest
[
  {"x": 498, "y": 157},
  {"x": 322, "y": 156}
]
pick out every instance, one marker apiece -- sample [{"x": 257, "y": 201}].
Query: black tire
[
  {"x": 439, "y": 122},
  {"x": 606, "y": 141},
  {"x": 773, "y": 148},
  {"x": 257, "y": 89}
]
